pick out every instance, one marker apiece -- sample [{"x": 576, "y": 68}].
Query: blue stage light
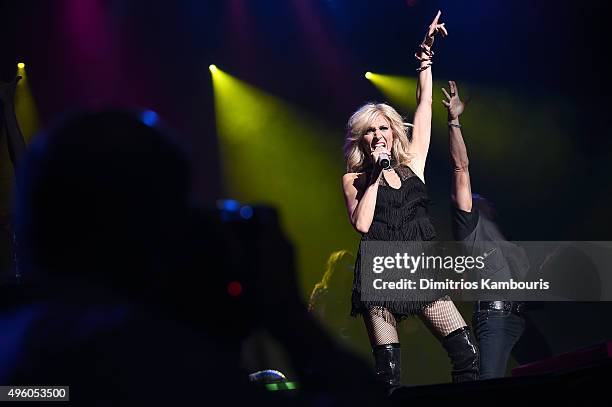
[
  {"x": 230, "y": 205},
  {"x": 149, "y": 117},
  {"x": 246, "y": 212}
]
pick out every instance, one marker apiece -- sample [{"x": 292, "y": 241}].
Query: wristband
[{"x": 422, "y": 68}]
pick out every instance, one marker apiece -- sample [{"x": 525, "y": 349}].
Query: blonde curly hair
[{"x": 355, "y": 153}]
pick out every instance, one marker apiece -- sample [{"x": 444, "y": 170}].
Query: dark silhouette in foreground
[{"x": 126, "y": 283}]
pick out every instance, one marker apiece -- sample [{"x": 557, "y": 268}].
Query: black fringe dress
[{"x": 400, "y": 215}]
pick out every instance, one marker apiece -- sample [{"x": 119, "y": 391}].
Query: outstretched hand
[
  {"x": 434, "y": 28},
  {"x": 425, "y": 53},
  {"x": 452, "y": 102}
]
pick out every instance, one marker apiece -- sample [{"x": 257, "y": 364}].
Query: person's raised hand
[
  {"x": 434, "y": 28},
  {"x": 453, "y": 103}
]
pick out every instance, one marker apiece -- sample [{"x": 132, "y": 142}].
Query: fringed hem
[
  {"x": 399, "y": 309},
  {"x": 417, "y": 229}
]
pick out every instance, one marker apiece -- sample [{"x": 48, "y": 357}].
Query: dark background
[
  {"x": 543, "y": 64},
  {"x": 162, "y": 50}
]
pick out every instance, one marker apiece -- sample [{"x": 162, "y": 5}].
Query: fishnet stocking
[
  {"x": 381, "y": 326},
  {"x": 441, "y": 317}
]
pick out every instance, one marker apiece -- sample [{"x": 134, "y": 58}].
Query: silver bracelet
[
  {"x": 454, "y": 125},
  {"x": 422, "y": 68}
]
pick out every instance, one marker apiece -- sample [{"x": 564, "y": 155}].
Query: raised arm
[
  {"x": 461, "y": 190},
  {"x": 421, "y": 131}
]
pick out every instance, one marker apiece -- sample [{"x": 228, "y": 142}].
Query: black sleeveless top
[{"x": 400, "y": 215}]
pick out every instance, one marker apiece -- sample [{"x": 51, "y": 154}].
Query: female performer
[{"x": 391, "y": 205}]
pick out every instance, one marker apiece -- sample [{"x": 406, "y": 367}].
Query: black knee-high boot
[
  {"x": 387, "y": 360},
  {"x": 463, "y": 354}
]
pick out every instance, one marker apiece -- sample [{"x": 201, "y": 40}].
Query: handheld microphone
[{"x": 384, "y": 161}]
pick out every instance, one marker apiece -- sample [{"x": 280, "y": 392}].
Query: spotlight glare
[
  {"x": 21, "y": 65},
  {"x": 368, "y": 75},
  {"x": 230, "y": 205},
  {"x": 234, "y": 288},
  {"x": 149, "y": 117},
  {"x": 246, "y": 212},
  {"x": 213, "y": 68}
]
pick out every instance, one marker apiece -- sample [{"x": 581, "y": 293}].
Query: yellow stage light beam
[
  {"x": 25, "y": 106},
  {"x": 27, "y": 117},
  {"x": 399, "y": 90},
  {"x": 277, "y": 154},
  {"x": 495, "y": 123}
]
